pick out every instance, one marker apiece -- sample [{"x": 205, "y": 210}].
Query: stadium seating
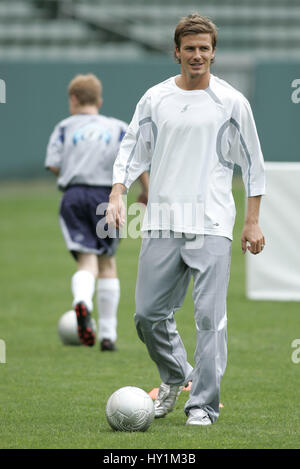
[{"x": 93, "y": 29}]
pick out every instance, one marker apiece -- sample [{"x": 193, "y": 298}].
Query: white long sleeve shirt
[{"x": 190, "y": 142}]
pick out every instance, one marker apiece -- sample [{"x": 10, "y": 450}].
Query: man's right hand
[{"x": 116, "y": 213}]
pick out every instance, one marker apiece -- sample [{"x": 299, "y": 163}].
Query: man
[
  {"x": 191, "y": 129},
  {"x": 81, "y": 152}
]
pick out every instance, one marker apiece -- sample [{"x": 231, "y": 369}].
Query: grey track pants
[{"x": 165, "y": 269}]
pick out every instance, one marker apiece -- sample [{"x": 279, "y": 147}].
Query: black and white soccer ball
[
  {"x": 67, "y": 328},
  {"x": 130, "y": 409}
]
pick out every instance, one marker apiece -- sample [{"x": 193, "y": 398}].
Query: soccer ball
[
  {"x": 67, "y": 328},
  {"x": 130, "y": 409}
]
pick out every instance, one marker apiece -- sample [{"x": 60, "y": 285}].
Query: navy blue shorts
[{"x": 78, "y": 220}]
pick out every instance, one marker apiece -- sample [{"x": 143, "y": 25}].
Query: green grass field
[{"x": 54, "y": 396}]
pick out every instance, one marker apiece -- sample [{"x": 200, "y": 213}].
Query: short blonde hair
[{"x": 87, "y": 89}]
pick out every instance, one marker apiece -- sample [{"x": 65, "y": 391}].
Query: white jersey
[
  {"x": 190, "y": 142},
  {"x": 84, "y": 148}
]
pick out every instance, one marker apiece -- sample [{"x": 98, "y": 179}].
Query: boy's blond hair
[{"x": 86, "y": 88}]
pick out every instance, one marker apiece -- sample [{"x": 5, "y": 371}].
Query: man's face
[{"x": 196, "y": 53}]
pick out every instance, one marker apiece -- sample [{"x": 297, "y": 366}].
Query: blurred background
[{"x": 129, "y": 45}]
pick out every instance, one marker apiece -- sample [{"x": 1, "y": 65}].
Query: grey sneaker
[
  {"x": 198, "y": 417},
  {"x": 166, "y": 399}
]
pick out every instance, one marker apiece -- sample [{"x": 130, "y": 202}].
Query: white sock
[
  {"x": 83, "y": 288},
  {"x": 108, "y": 296}
]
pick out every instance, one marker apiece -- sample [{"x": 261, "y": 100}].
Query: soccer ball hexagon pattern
[{"x": 130, "y": 409}]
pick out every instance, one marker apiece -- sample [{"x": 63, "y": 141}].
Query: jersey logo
[
  {"x": 185, "y": 108},
  {"x": 91, "y": 133}
]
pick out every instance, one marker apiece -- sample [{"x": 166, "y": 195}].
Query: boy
[{"x": 81, "y": 153}]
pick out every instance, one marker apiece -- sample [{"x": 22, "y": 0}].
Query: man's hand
[
  {"x": 115, "y": 213},
  {"x": 252, "y": 233}
]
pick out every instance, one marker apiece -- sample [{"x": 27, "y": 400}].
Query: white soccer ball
[
  {"x": 67, "y": 328},
  {"x": 130, "y": 409}
]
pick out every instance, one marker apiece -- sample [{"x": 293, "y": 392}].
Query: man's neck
[{"x": 190, "y": 83}]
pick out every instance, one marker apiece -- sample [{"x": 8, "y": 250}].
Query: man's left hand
[{"x": 252, "y": 238}]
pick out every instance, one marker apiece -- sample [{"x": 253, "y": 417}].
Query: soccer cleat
[
  {"x": 198, "y": 417},
  {"x": 107, "y": 345},
  {"x": 84, "y": 324},
  {"x": 166, "y": 399}
]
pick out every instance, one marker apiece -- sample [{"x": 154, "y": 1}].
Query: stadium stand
[{"x": 97, "y": 29}]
